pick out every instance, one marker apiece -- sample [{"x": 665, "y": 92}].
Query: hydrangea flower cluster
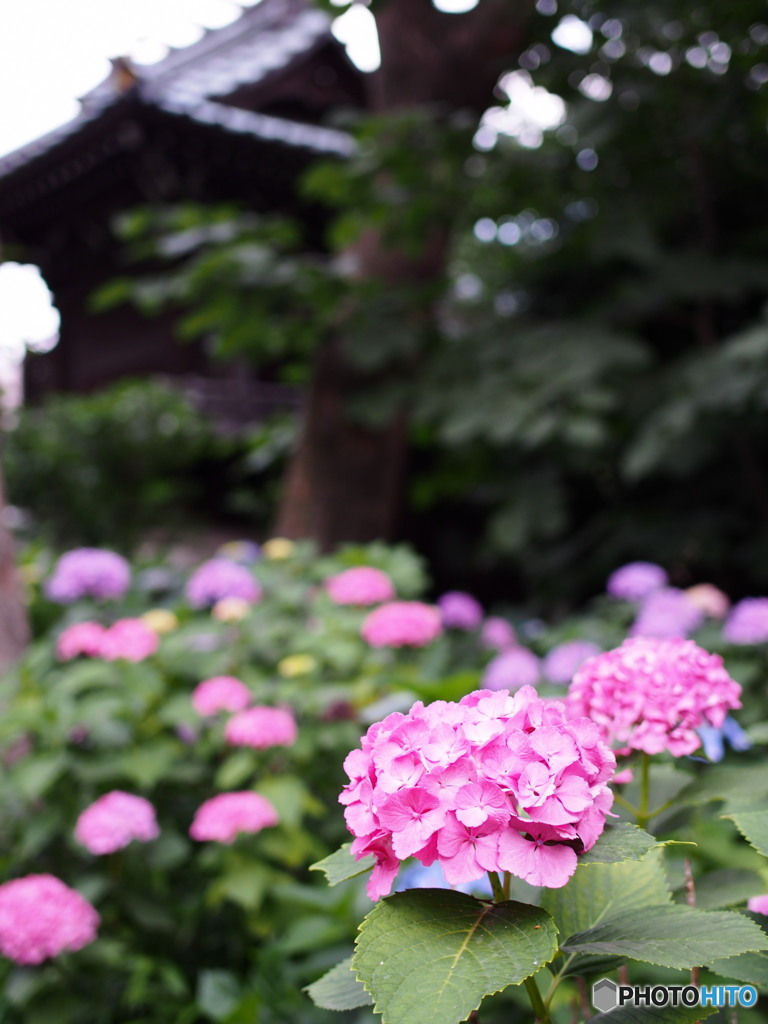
[
  {"x": 652, "y": 694},
  {"x": 497, "y": 634},
  {"x": 666, "y": 613},
  {"x": 131, "y": 639},
  {"x": 402, "y": 624},
  {"x": 758, "y": 904},
  {"x": 41, "y": 917},
  {"x": 224, "y": 816},
  {"x": 361, "y": 586},
  {"x": 748, "y": 622},
  {"x": 460, "y": 610},
  {"x": 114, "y": 820},
  {"x": 709, "y": 599},
  {"x": 492, "y": 783},
  {"x": 220, "y": 693},
  {"x": 561, "y": 662},
  {"x": 88, "y": 572},
  {"x": 261, "y": 727},
  {"x": 636, "y": 580},
  {"x": 218, "y": 578},
  {"x": 80, "y": 638},
  {"x": 511, "y": 669}
]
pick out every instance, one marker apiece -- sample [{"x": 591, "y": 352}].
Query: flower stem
[
  {"x": 542, "y": 1014},
  {"x": 645, "y": 787},
  {"x": 496, "y": 887}
]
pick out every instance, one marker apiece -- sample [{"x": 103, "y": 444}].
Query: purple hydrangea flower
[
  {"x": 511, "y": 669},
  {"x": 88, "y": 572},
  {"x": 636, "y": 580},
  {"x": 748, "y": 622},
  {"x": 667, "y": 613},
  {"x": 459, "y": 610},
  {"x": 497, "y": 633},
  {"x": 562, "y": 661},
  {"x": 219, "y": 578}
]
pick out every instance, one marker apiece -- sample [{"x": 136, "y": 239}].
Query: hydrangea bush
[{"x": 187, "y": 764}]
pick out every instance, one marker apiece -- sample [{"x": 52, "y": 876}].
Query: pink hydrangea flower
[
  {"x": 224, "y": 816},
  {"x": 130, "y": 639},
  {"x": 41, "y": 917},
  {"x": 758, "y": 904},
  {"x": 362, "y": 585},
  {"x": 219, "y": 578},
  {"x": 666, "y": 613},
  {"x": 511, "y": 669},
  {"x": 495, "y": 782},
  {"x": 748, "y": 622},
  {"x": 497, "y": 634},
  {"x": 112, "y": 821},
  {"x": 402, "y": 624},
  {"x": 652, "y": 694},
  {"x": 221, "y": 693},
  {"x": 636, "y": 580},
  {"x": 562, "y": 661},
  {"x": 261, "y": 727},
  {"x": 80, "y": 638},
  {"x": 460, "y": 610},
  {"x": 88, "y": 572}
]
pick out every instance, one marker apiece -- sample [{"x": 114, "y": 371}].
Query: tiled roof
[{"x": 265, "y": 38}]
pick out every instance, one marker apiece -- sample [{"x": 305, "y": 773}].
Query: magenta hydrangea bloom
[
  {"x": 41, "y": 917},
  {"x": 112, "y": 821},
  {"x": 129, "y": 639},
  {"x": 511, "y": 669},
  {"x": 667, "y": 613},
  {"x": 497, "y": 634},
  {"x": 652, "y": 695},
  {"x": 493, "y": 783},
  {"x": 460, "y": 610},
  {"x": 361, "y": 586},
  {"x": 758, "y": 904},
  {"x": 80, "y": 638},
  {"x": 221, "y": 693},
  {"x": 224, "y": 816},
  {"x": 561, "y": 662},
  {"x": 636, "y": 580},
  {"x": 88, "y": 572},
  {"x": 402, "y": 624},
  {"x": 219, "y": 578},
  {"x": 261, "y": 727},
  {"x": 748, "y": 622}
]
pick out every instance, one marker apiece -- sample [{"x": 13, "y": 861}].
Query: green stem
[
  {"x": 496, "y": 887},
  {"x": 542, "y": 1014},
  {"x": 645, "y": 787},
  {"x": 626, "y": 804},
  {"x": 506, "y": 884}
]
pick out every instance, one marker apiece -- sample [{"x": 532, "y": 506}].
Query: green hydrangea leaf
[{"x": 429, "y": 956}]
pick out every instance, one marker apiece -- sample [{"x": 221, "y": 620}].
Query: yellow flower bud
[
  {"x": 230, "y": 609},
  {"x": 160, "y": 620},
  {"x": 277, "y": 549},
  {"x": 296, "y": 665}
]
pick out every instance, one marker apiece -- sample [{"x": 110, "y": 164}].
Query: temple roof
[{"x": 196, "y": 84}]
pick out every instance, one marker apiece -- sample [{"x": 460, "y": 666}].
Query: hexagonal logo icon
[{"x": 605, "y": 995}]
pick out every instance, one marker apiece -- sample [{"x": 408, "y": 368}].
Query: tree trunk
[
  {"x": 345, "y": 481},
  {"x": 14, "y": 629}
]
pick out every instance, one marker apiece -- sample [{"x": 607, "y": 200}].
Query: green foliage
[
  {"x": 104, "y": 468},
  {"x": 437, "y": 953}
]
